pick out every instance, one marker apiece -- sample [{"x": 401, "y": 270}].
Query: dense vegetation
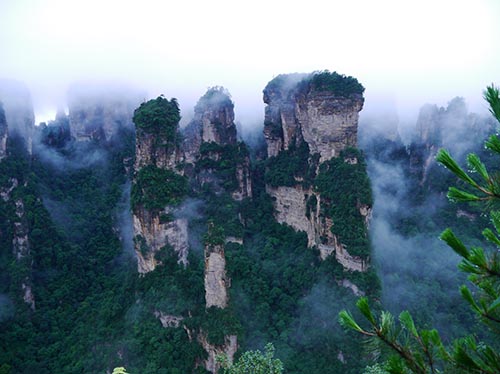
[
  {"x": 223, "y": 161},
  {"x": 159, "y": 117},
  {"x": 336, "y": 83},
  {"x": 418, "y": 347},
  {"x": 154, "y": 188},
  {"x": 94, "y": 312},
  {"x": 346, "y": 173},
  {"x": 291, "y": 167},
  {"x": 320, "y": 81}
]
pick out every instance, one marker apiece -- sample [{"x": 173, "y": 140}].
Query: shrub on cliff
[
  {"x": 334, "y": 82},
  {"x": 158, "y": 116},
  {"x": 324, "y": 80},
  {"x": 155, "y": 188}
]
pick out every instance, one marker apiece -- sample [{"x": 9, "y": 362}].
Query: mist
[
  {"x": 180, "y": 49},
  {"x": 411, "y": 209}
]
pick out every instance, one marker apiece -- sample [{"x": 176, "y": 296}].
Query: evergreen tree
[
  {"x": 253, "y": 362},
  {"x": 420, "y": 350}
]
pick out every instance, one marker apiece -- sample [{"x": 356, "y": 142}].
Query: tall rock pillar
[{"x": 158, "y": 184}]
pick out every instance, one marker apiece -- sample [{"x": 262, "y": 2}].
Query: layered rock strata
[
  {"x": 217, "y": 284},
  {"x": 211, "y": 147},
  {"x": 304, "y": 113},
  {"x": 297, "y": 111}
]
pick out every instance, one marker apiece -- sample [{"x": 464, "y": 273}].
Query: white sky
[{"x": 404, "y": 52}]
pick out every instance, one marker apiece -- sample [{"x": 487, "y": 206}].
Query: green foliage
[
  {"x": 492, "y": 96},
  {"x": 336, "y": 83},
  {"x": 417, "y": 350},
  {"x": 253, "y": 362},
  {"x": 335, "y": 177},
  {"x": 159, "y": 117},
  {"x": 155, "y": 188},
  {"x": 218, "y": 323},
  {"x": 422, "y": 351},
  {"x": 214, "y": 235},
  {"x": 291, "y": 167},
  {"x": 223, "y": 160},
  {"x": 94, "y": 312}
]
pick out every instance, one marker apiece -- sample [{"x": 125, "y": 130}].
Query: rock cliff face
[
  {"x": 228, "y": 349},
  {"x": 151, "y": 235},
  {"x": 213, "y": 121},
  {"x": 21, "y": 250},
  {"x": 56, "y": 134},
  {"x": 3, "y": 133},
  {"x": 298, "y": 110},
  {"x": 217, "y": 284},
  {"x": 158, "y": 183},
  {"x": 20, "y": 227},
  {"x": 452, "y": 128},
  {"x": 99, "y": 113},
  {"x": 18, "y": 108},
  {"x": 216, "y": 280},
  {"x": 303, "y": 109},
  {"x": 211, "y": 147}
]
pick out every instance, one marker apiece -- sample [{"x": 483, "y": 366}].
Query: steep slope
[
  {"x": 16, "y": 128},
  {"x": 310, "y": 124},
  {"x": 159, "y": 184},
  {"x": 3, "y": 133},
  {"x": 221, "y": 266},
  {"x": 213, "y": 155},
  {"x": 18, "y": 108},
  {"x": 99, "y": 112}
]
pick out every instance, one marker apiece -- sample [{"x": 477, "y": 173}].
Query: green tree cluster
[
  {"x": 159, "y": 117},
  {"x": 154, "y": 188},
  {"x": 253, "y": 362}
]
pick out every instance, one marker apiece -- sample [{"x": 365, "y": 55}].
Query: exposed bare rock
[
  {"x": 228, "y": 349},
  {"x": 213, "y": 122},
  {"x": 244, "y": 181},
  {"x": 318, "y": 114},
  {"x": 158, "y": 152},
  {"x": 297, "y": 110},
  {"x": 366, "y": 211},
  {"x": 3, "y": 133},
  {"x": 168, "y": 320},
  {"x": 99, "y": 112},
  {"x": 210, "y": 141},
  {"x": 290, "y": 205},
  {"x": 21, "y": 250},
  {"x": 428, "y": 127},
  {"x": 329, "y": 123},
  {"x": 290, "y": 208},
  {"x": 353, "y": 263},
  {"x": 6, "y": 191},
  {"x": 150, "y": 150},
  {"x": 232, "y": 239},
  {"x": 152, "y": 235},
  {"x": 28, "y": 296},
  {"x": 355, "y": 289},
  {"x": 18, "y": 109},
  {"x": 463, "y": 213},
  {"x": 216, "y": 280}
]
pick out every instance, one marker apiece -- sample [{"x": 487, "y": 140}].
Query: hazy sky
[{"x": 404, "y": 52}]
